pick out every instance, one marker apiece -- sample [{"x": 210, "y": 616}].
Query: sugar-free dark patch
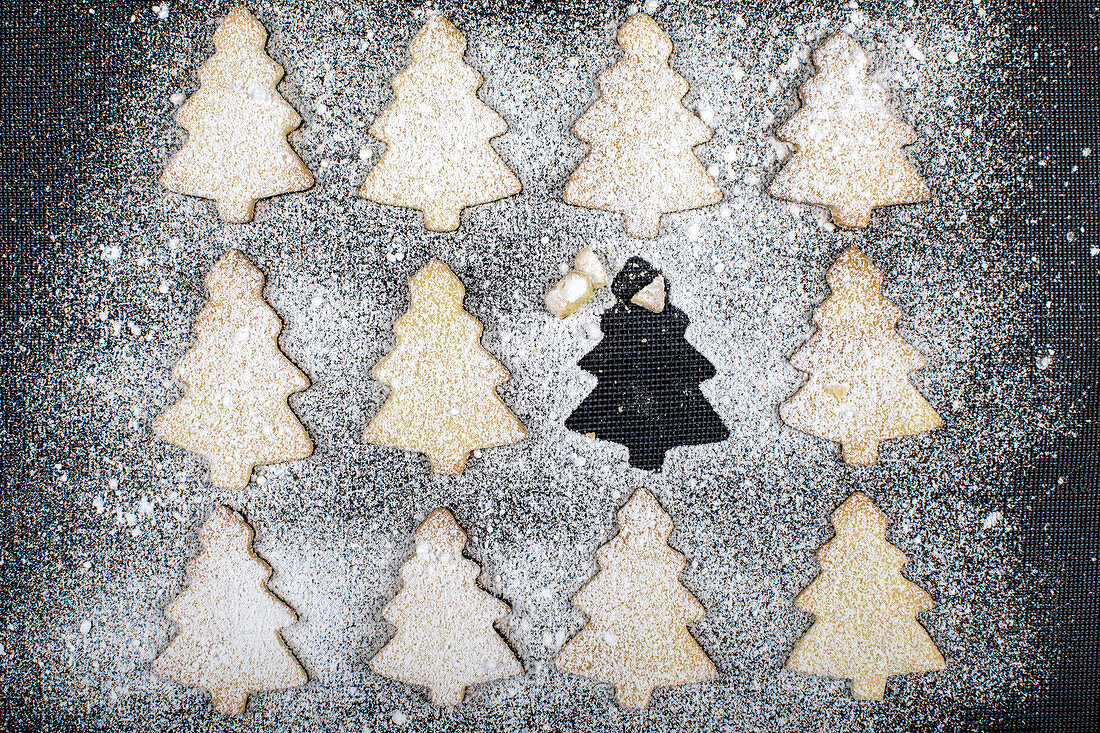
[{"x": 648, "y": 396}]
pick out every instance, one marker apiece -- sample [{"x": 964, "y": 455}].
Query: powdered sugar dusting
[{"x": 748, "y": 512}]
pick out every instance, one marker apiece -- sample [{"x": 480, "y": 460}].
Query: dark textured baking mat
[{"x": 86, "y": 127}]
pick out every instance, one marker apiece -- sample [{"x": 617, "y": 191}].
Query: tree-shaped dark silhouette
[{"x": 648, "y": 395}]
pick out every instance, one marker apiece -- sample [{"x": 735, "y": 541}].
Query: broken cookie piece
[
  {"x": 652, "y": 296},
  {"x": 588, "y": 263},
  {"x": 571, "y": 292},
  {"x": 577, "y": 286}
]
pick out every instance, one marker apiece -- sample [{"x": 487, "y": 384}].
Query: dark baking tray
[{"x": 66, "y": 66}]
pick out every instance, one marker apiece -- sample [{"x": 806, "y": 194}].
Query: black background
[
  {"x": 1061, "y": 120},
  {"x": 56, "y": 84}
]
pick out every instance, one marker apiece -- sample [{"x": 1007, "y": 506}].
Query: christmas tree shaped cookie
[
  {"x": 445, "y": 638},
  {"x": 437, "y": 132},
  {"x": 848, "y": 144},
  {"x": 858, "y": 390},
  {"x": 236, "y": 150},
  {"x": 229, "y": 622},
  {"x": 638, "y": 612},
  {"x": 641, "y": 161},
  {"x": 443, "y": 399},
  {"x": 234, "y": 409},
  {"x": 865, "y": 627},
  {"x": 648, "y": 395}
]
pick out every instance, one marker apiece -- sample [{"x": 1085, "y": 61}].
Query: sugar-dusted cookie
[
  {"x": 437, "y": 132},
  {"x": 229, "y": 622},
  {"x": 637, "y": 636},
  {"x": 445, "y": 638},
  {"x": 234, "y": 409},
  {"x": 865, "y": 627},
  {"x": 858, "y": 390},
  {"x": 443, "y": 399},
  {"x": 236, "y": 150},
  {"x": 641, "y": 161},
  {"x": 848, "y": 144}
]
